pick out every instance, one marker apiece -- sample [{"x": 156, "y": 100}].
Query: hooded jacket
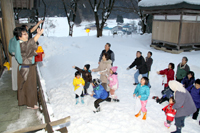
[
  {"x": 184, "y": 103},
  {"x": 113, "y": 80},
  {"x": 169, "y": 112},
  {"x": 142, "y": 91},
  {"x": 100, "y": 92},
  {"x": 140, "y": 65},
  {"x": 104, "y": 68}
]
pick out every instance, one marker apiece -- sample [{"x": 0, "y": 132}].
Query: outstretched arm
[
  {"x": 39, "y": 33},
  {"x": 36, "y": 26}
]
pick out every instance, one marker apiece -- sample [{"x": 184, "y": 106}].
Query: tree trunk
[
  {"x": 71, "y": 30},
  {"x": 99, "y": 32}
]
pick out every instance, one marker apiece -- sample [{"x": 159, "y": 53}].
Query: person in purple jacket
[
  {"x": 195, "y": 93},
  {"x": 189, "y": 79},
  {"x": 184, "y": 104}
]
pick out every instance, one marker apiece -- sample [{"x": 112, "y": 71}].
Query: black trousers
[
  {"x": 96, "y": 103},
  {"x": 169, "y": 122},
  {"x": 195, "y": 115},
  {"x": 87, "y": 85},
  {"x": 77, "y": 96},
  {"x": 179, "y": 121}
]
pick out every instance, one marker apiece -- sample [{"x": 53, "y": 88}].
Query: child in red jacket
[
  {"x": 169, "y": 112},
  {"x": 169, "y": 72}
]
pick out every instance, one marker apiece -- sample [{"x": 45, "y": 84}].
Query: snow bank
[{"x": 148, "y": 3}]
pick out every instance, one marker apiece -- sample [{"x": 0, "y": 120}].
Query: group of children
[
  {"x": 142, "y": 90},
  {"x": 99, "y": 92}
]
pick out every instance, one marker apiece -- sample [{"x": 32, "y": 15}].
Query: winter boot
[
  {"x": 97, "y": 110},
  {"x": 82, "y": 100},
  {"x": 138, "y": 114},
  {"x": 166, "y": 124},
  {"x": 115, "y": 100},
  {"x": 77, "y": 100},
  {"x": 145, "y": 116},
  {"x": 178, "y": 130}
]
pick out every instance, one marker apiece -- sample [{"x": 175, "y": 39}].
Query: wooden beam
[
  {"x": 180, "y": 30},
  {"x": 63, "y": 130},
  {"x": 28, "y": 129},
  {"x": 61, "y": 121}
]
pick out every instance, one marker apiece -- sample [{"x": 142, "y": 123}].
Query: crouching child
[{"x": 99, "y": 93}]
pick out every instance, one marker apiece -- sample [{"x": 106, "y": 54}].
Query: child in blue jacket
[
  {"x": 194, "y": 90},
  {"x": 142, "y": 91},
  {"x": 188, "y": 80},
  {"x": 99, "y": 93}
]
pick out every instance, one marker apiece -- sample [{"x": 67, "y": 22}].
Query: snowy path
[{"x": 64, "y": 52}]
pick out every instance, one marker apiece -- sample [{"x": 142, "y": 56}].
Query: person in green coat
[{"x": 182, "y": 69}]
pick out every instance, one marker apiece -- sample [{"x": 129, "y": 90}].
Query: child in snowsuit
[
  {"x": 169, "y": 112},
  {"x": 195, "y": 93},
  {"x": 142, "y": 91},
  {"x": 99, "y": 93},
  {"x": 113, "y": 82},
  {"x": 188, "y": 80},
  {"x": 86, "y": 74},
  {"x": 78, "y": 82}
]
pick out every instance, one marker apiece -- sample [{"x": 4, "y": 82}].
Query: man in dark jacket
[
  {"x": 109, "y": 52},
  {"x": 140, "y": 64},
  {"x": 149, "y": 61}
]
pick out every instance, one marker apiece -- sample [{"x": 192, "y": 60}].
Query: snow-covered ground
[{"x": 57, "y": 75}]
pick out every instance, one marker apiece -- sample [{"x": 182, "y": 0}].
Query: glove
[
  {"x": 135, "y": 68},
  {"x": 127, "y": 68}
]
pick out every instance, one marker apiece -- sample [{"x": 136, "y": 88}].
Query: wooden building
[{"x": 175, "y": 25}]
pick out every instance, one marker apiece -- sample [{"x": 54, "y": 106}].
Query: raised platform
[{"x": 12, "y": 116}]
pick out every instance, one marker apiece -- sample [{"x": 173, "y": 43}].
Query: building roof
[{"x": 169, "y": 4}]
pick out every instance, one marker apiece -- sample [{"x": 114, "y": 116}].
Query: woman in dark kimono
[{"x": 25, "y": 53}]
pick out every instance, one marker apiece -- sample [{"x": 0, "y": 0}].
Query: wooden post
[
  {"x": 180, "y": 30},
  {"x": 8, "y": 21}
]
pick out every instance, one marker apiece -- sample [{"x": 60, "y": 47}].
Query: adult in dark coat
[
  {"x": 149, "y": 61},
  {"x": 140, "y": 64},
  {"x": 109, "y": 52},
  {"x": 182, "y": 69},
  {"x": 86, "y": 74},
  {"x": 184, "y": 104},
  {"x": 27, "y": 85}
]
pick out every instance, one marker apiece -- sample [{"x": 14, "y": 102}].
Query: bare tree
[
  {"x": 70, "y": 10},
  {"x": 132, "y": 6},
  {"x": 103, "y": 7}
]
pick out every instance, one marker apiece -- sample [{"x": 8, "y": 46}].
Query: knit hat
[
  {"x": 87, "y": 66},
  {"x": 176, "y": 86},
  {"x": 96, "y": 81},
  {"x": 77, "y": 73},
  {"x": 114, "y": 69}
]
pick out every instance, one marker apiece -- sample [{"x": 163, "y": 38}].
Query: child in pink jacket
[{"x": 113, "y": 82}]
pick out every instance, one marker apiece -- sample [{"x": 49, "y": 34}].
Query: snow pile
[
  {"x": 64, "y": 52},
  {"x": 148, "y": 3}
]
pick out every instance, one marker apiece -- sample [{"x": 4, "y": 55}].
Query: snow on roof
[{"x": 149, "y": 3}]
